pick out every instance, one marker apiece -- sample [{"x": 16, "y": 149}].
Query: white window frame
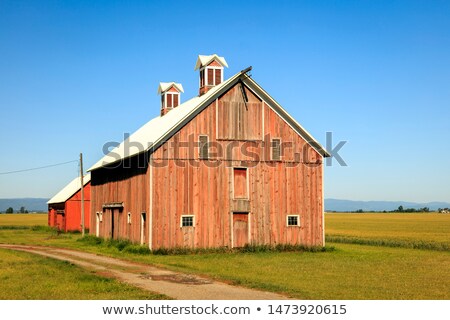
[
  {"x": 129, "y": 217},
  {"x": 143, "y": 220},
  {"x": 247, "y": 182},
  {"x": 98, "y": 220},
  {"x": 171, "y": 97},
  {"x": 293, "y": 225},
  {"x": 205, "y": 72},
  {"x": 187, "y": 216}
]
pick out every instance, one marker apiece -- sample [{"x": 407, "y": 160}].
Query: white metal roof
[
  {"x": 156, "y": 131},
  {"x": 69, "y": 190},
  {"x": 205, "y": 60},
  {"x": 164, "y": 86}
]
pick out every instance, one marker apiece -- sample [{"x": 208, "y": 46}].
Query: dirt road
[{"x": 173, "y": 284}]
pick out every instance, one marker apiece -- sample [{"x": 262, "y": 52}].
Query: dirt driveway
[{"x": 173, "y": 284}]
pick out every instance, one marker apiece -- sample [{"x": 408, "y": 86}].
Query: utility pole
[{"x": 82, "y": 194}]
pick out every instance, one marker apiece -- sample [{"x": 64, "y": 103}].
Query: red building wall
[
  {"x": 73, "y": 210},
  {"x": 70, "y": 220},
  {"x": 276, "y": 189}
]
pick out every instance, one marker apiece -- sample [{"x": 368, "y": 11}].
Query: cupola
[
  {"x": 211, "y": 71},
  {"x": 170, "y": 95}
]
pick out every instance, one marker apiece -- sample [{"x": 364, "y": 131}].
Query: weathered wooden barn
[
  {"x": 64, "y": 209},
  {"x": 226, "y": 168}
]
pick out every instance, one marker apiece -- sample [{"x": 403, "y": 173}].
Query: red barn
[
  {"x": 64, "y": 209},
  {"x": 227, "y": 168}
]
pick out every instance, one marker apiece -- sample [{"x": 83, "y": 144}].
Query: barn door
[
  {"x": 240, "y": 229},
  {"x": 115, "y": 223}
]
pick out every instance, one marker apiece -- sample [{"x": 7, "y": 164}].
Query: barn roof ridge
[
  {"x": 69, "y": 190},
  {"x": 156, "y": 131}
]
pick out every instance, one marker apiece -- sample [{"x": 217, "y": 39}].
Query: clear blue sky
[{"x": 76, "y": 74}]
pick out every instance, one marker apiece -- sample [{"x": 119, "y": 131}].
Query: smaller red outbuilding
[{"x": 64, "y": 209}]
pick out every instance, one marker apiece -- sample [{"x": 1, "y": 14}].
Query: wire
[{"x": 38, "y": 168}]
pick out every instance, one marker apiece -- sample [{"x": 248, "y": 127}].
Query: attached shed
[
  {"x": 227, "y": 168},
  {"x": 64, "y": 209}
]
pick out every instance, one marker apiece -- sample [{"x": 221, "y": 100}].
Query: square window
[
  {"x": 293, "y": 220},
  {"x": 187, "y": 221}
]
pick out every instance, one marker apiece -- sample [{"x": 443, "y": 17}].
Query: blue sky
[{"x": 75, "y": 74}]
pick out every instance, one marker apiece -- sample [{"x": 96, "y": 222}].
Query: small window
[
  {"x": 203, "y": 147},
  {"x": 293, "y": 220},
  {"x": 240, "y": 183},
  {"x": 100, "y": 216},
  {"x": 187, "y": 221},
  {"x": 210, "y": 76},
  {"x": 169, "y": 103},
  {"x": 202, "y": 78},
  {"x": 217, "y": 76},
  {"x": 276, "y": 149},
  {"x": 129, "y": 218}
]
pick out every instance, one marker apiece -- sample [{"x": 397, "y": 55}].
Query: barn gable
[
  {"x": 64, "y": 209},
  {"x": 69, "y": 190},
  {"x": 229, "y": 189},
  {"x": 154, "y": 133},
  {"x": 213, "y": 171}
]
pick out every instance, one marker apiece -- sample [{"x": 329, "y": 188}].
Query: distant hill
[
  {"x": 349, "y": 205},
  {"x": 30, "y": 204}
]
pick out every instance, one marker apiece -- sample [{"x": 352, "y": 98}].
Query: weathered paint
[{"x": 184, "y": 184}]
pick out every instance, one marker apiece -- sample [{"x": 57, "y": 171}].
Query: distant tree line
[
  {"x": 21, "y": 210},
  {"x": 400, "y": 209}
]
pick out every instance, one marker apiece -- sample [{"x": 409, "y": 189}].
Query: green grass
[
  {"x": 27, "y": 276},
  {"x": 410, "y": 230},
  {"x": 126, "y": 246},
  {"x": 348, "y": 272}
]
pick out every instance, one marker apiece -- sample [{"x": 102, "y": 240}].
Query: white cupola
[
  {"x": 211, "y": 71},
  {"x": 170, "y": 95}
]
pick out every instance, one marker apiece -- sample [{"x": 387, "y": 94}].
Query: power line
[{"x": 38, "y": 168}]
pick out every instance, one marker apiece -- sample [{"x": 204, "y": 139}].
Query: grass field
[
  {"x": 48, "y": 278},
  {"x": 420, "y": 230},
  {"x": 350, "y": 272},
  {"x": 31, "y": 219},
  {"x": 27, "y": 276}
]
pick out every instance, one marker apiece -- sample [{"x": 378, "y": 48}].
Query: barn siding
[
  {"x": 71, "y": 219},
  {"x": 182, "y": 184},
  {"x": 276, "y": 188},
  {"x": 73, "y": 210},
  {"x": 128, "y": 186}
]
